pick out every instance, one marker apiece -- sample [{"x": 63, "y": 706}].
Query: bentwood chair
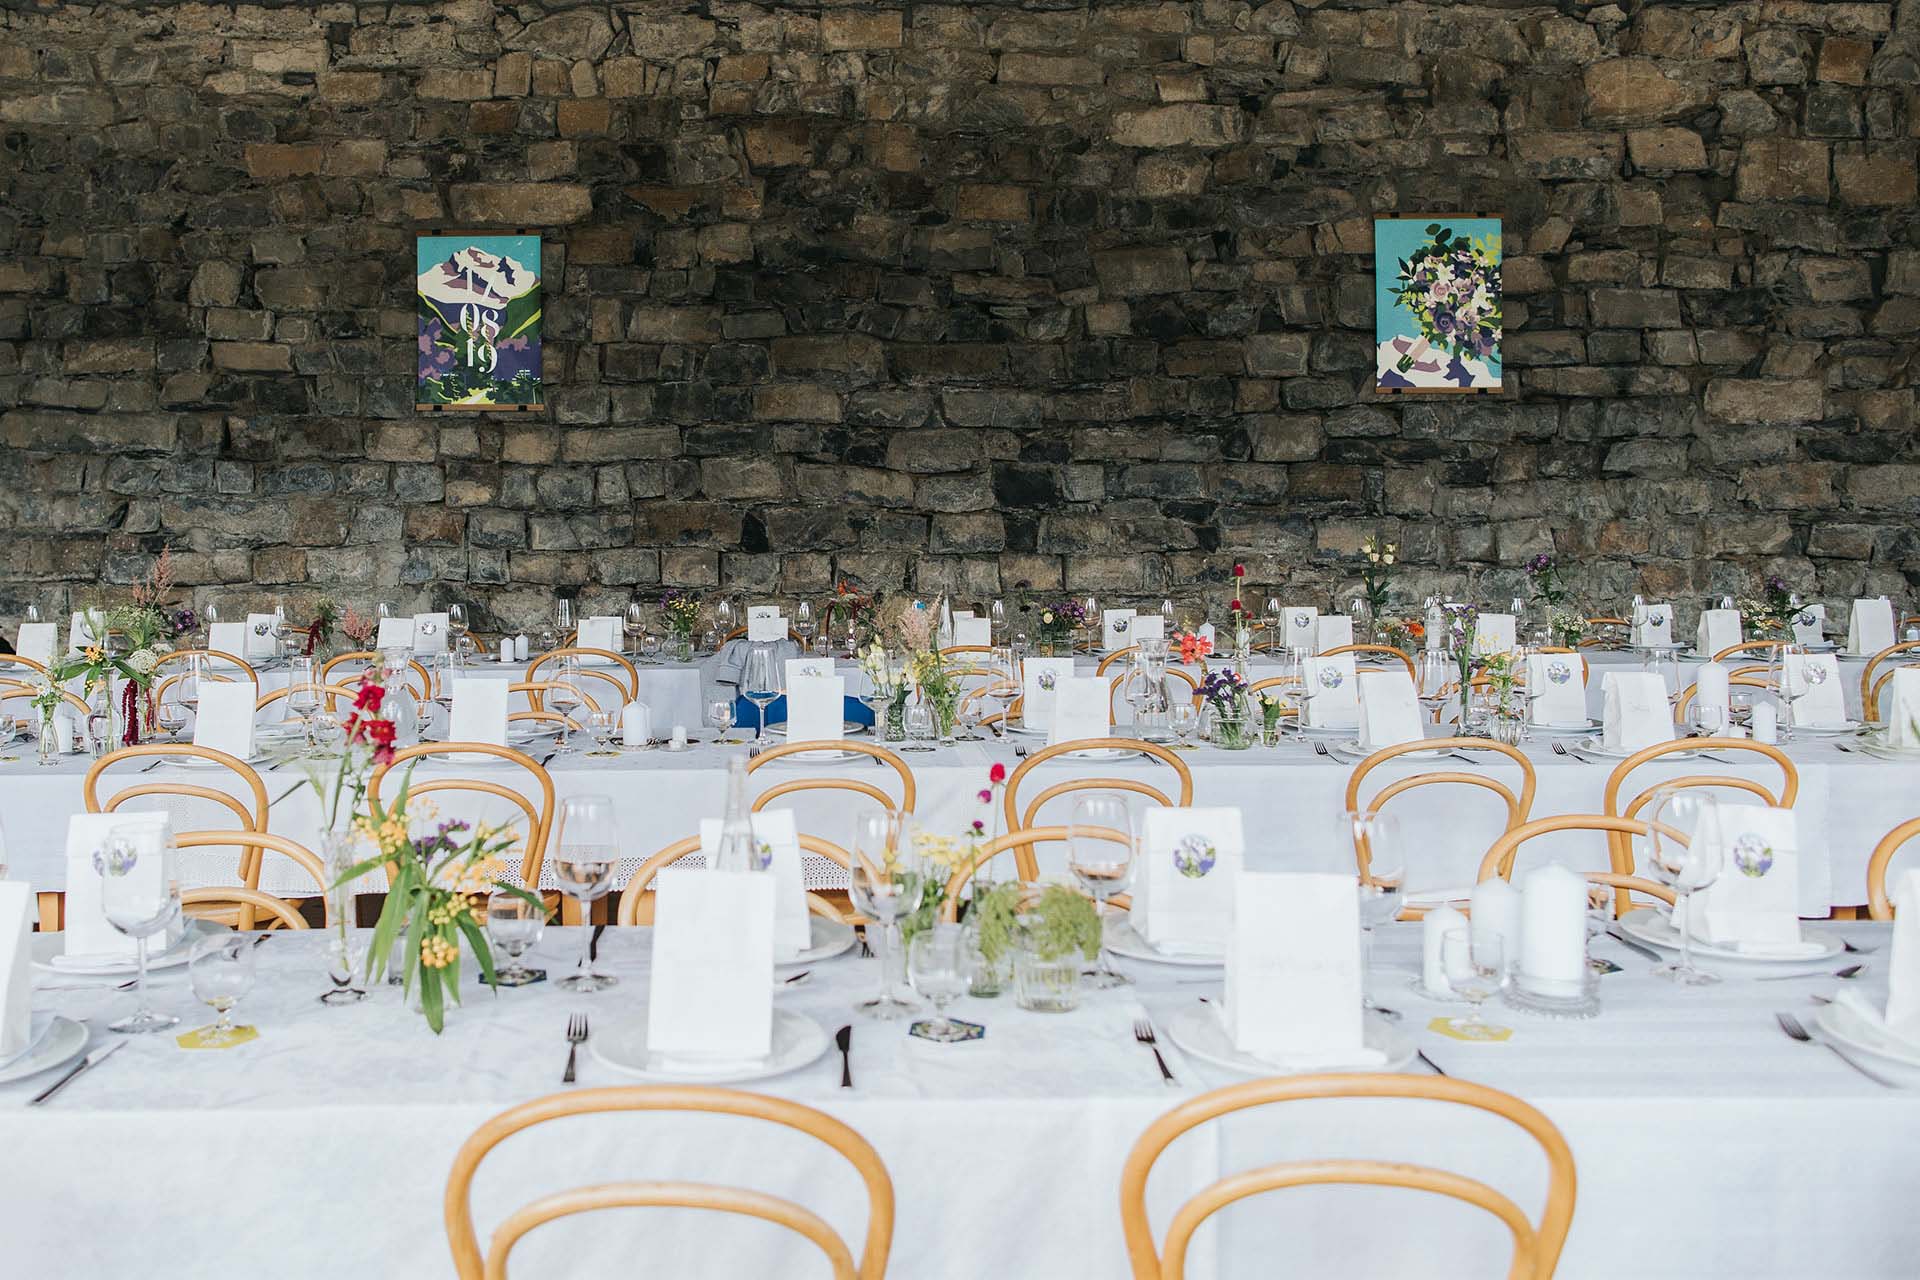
[
  {"x": 1879, "y": 905},
  {"x": 329, "y": 693},
  {"x": 247, "y": 804},
  {"x": 213, "y": 664},
  {"x": 28, "y": 668},
  {"x": 1742, "y": 679},
  {"x": 609, "y": 663},
  {"x": 537, "y": 817},
  {"x": 1019, "y": 821},
  {"x": 1621, "y": 846},
  {"x": 1751, "y": 649},
  {"x": 469, "y": 1263},
  {"x": 955, "y": 650},
  {"x": 24, "y": 694},
  {"x": 1536, "y": 1245},
  {"x": 600, "y": 686},
  {"x": 1519, "y": 804},
  {"x": 240, "y": 907},
  {"x": 1501, "y": 856},
  {"x": 1870, "y": 704},
  {"x": 795, "y": 753},
  {"x": 740, "y": 633},
  {"x": 254, "y": 847},
  {"x": 1610, "y": 633},
  {"x": 1869, "y": 691},
  {"x": 361, "y": 663},
  {"x": 1377, "y": 653},
  {"x": 636, "y": 900}
]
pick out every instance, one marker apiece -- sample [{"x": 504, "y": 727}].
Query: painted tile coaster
[
  {"x": 479, "y": 307},
  {"x": 1437, "y": 300}
]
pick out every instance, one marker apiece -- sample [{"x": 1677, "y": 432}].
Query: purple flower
[{"x": 1540, "y": 563}]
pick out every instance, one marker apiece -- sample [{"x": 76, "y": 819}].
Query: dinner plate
[
  {"x": 848, "y": 727},
  {"x": 1026, "y": 731},
  {"x": 828, "y": 938},
  {"x": 62, "y": 1041},
  {"x": 1325, "y": 730},
  {"x": 1200, "y": 1033},
  {"x": 1875, "y": 745},
  {"x": 828, "y": 755},
  {"x": 48, "y": 945},
  {"x": 797, "y": 1041},
  {"x": 1595, "y": 746},
  {"x": 1124, "y": 940},
  {"x": 1840, "y": 730},
  {"x": 1868, "y": 1047},
  {"x": 1103, "y": 753},
  {"x": 1564, "y": 730},
  {"x": 1649, "y": 926},
  {"x": 201, "y": 762},
  {"x": 1352, "y": 749}
]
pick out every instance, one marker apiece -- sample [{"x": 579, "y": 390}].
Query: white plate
[
  {"x": 48, "y": 945},
  {"x": 797, "y": 1041},
  {"x": 1867, "y": 1046},
  {"x": 1198, "y": 1032},
  {"x": 1595, "y": 746},
  {"x": 1124, "y": 940},
  {"x": 64, "y": 1041},
  {"x": 1103, "y": 753},
  {"x": 1876, "y": 746},
  {"x": 825, "y": 755},
  {"x": 848, "y": 727},
  {"x": 201, "y": 762},
  {"x": 1649, "y": 926},
  {"x": 1564, "y": 730},
  {"x": 1352, "y": 749},
  {"x": 828, "y": 939},
  {"x": 1321, "y": 731},
  {"x": 1026, "y": 732},
  {"x": 1828, "y": 730}
]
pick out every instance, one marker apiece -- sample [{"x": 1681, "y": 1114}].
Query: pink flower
[
  {"x": 985, "y": 795},
  {"x": 997, "y": 774}
]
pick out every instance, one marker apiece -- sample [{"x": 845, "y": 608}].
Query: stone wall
[{"x": 950, "y": 296}]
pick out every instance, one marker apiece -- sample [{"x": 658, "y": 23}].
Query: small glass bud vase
[
  {"x": 1231, "y": 728},
  {"x": 47, "y": 748},
  {"x": 896, "y": 721},
  {"x": 1045, "y": 983}
]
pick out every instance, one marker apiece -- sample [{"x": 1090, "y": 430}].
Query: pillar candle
[
  {"x": 1496, "y": 910},
  {"x": 1765, "y": 724},
  {"x": 1438, "y": 923},
  {"x": 1553, "y": 931}
]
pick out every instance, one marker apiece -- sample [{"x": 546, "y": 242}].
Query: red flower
[
  {"x": 1239, "y": 571},
  {"x": 368, "y": 699},
  {"x": 1235, "y": 606},
  {"x": 997, "y": 774},
  {"x": 380, "y": 732},
  {"x": 985, "y": 795}
]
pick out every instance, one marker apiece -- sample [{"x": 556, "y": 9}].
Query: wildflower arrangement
[
  {"x": 1772, "y": 614},
  {"x": 1192, "y": 647},
  {"x": 854, "y": 612},
  {"x": 1236, "y": 607},
  {"x": 359, "y": 628},
  {"x": 326, "y": 616},
  {"x": 1543, "y": 575},
  {"x": 1463, "y": 628},
  {"x": 1050, "y": 622},
  {"x": 127, "y": 642},
  {"x": 1502, "y": 671},
  {"x": 1407, "y": 634},
  {"x": 681, "y": 611},
  {"x": 1225, "y": 694},
  {"x": 1376, "y": 575},
  {"x": 943, "y": 855},
  {"x": 907, "y": 625},
  {"x": 1566, "y": 625},
  {"x": 927, "y": 671}
]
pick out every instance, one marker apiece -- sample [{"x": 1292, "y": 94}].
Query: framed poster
[
  {"x": 1437, "y": 303},
  {"x": 479, "y": 305}
]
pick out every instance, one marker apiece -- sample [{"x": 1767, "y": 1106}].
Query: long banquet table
[{"x": 1707, "y": 1143}]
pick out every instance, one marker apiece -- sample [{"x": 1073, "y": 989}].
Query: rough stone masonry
[{"x": 948, "y": 296}]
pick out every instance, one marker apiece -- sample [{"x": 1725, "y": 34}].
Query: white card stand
[
  {"x": 79, "y": 633},
  {"x": 1903, "y": 959},
  {"x": 259, "y": 635},
  {"x": 1149, "y": 626},
  {"x": 1293, "y": 969},
  {"x": 1653, "y": 626},
  {"x": 1080, "y": 710},
  {"x": 1493, "y": 633},
  {"x": 1332, "y": 631},
  {"x": 1183, "y": 883},
  {"x": 1870, "y": 627},
  {"x": 1389, "y": 711},
  {"x": 429, "y": 634},
  {"x": 1719, "y": 629},
  {"x": 778, "y": 838},
  {"x": 395, "y": 633},
  {"x": 1903, "y": 714},
  {"x": 710, "y": 994},
  {"x": 1819, "y": 702},
  {"x": 16, "y": 967},
  {"x": 602, "y": 631},
  {"x": 479, "y": 711},
  {"x": 1335, "y": 703},
  {"x": 1810, "y": 625},
  {"x": 226, "y": 637},
  {"x": 1637, "y": 713},
  {"x": 1039, "y": 677},
  {"x": 1754, "y": 903},
  {"x": 224, "y": 718},
  {"x": 1302, "y": 627},
  {"x": 1116, "y": 629},
  {"x": 765, "y": 625},
  {"x": 816, "y": 708},
  {"x": 88, "y": 938},
  {"x": 36, "y": 640},
  {"x": 973, "y": 632},
  {"x": 1556, "y": 689}
]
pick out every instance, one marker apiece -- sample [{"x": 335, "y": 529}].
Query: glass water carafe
[{"x": 1146, "y": 690}]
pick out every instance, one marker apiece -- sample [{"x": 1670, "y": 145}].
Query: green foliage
[
  {"x": 1058, "y": 922},
  {"x": 995, "y": 913}
]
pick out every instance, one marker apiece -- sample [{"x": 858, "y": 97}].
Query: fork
[
  {"x": 576, "y": 1036},
  {"x": 1320, "y": 749},
  {"x": 1562, "y": 749},
  {"x": 1858, "y": 950},
  {"x": 1143, "y": 1032},
  {"x": 1791, "y": 1025},
  {"x": 1845, "y": 975}
]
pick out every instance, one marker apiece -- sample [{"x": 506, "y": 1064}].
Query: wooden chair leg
[{"x": 51, "y": 905}]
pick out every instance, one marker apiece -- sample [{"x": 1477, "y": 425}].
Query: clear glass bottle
[{"x": 738, "y": 850}]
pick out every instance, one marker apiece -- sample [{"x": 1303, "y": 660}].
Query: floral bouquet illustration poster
[
  {"x": 479, "y": 308},
  {"x": 1437, "y": 298}
]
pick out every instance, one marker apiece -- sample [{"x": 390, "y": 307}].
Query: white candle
[
  {"x": 520, "y": 647},
  {"x": 679, "y": 735},
  {"x": 1764, "y": 726},
  {"x": 1496, "y": 910},
  {"x": 1553, "y": 931},
  {"x": 1438, "y": 923}
]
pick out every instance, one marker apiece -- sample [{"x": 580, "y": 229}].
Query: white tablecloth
[{"x": 1707, "y": 1143}]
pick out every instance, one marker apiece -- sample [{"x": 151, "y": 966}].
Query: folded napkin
[
  {"x": 724, "y": 669},
  {"x": 1636, "y": 712},
  {"x": 1719, "y": 629},
  {"x": 1653, "y": 625},
  {"x": 1905, "y": 1035},
  {"x": 1810, "y": 625},
  {"x": 1297, "y": 1060},
  {"x": 1903, "y": 709},
  {"x": 1752, "y": 906},
  {"x": 39, "y": 1028},
  {"x": 1556, "y": 689},
  {"x": 16, "y": 970},
  {"x": 1903, "y": 958},
  {"x": 1870, "y": 627}
]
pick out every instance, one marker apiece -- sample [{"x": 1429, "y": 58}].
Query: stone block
[
  {"x": 1187, "y": 124},
  {"x": 1131, "y": 273}
]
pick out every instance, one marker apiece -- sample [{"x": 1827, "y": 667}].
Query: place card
[
  {"x": 479, "y": 711},
  {"x": 972, "y": 631},
  {"x": 710, "y": 993},
  {"x": 1903, "y": 958},
  {"x": 36, "y": 641},
  {"x": 1653, "y": 626},
  {"x": 89, "y": 938},
  {"x": 1039, "y": 677},
  {"x": 1332, "y": 631},
  {"x": 1903, "y": 711},
  {"x": 1754, "y": 903},
  {"x": 227, "y": 637},
  {"x": 260, "y": 640},
  {"x": 429, "y": 633},
  {"x": 1556, "y": 689},
  {"x": 1116, "y": 628},
  {"x": 79, "y": 633},
  {"x": 1493, "y": 633},
  {"x": 1870, "y": 627},
  {"x": 1389, "y": 711},
  {"x": 1813, "y": 680},
  {"x": 224, "y": 718},
  {"x": 1550, "y": 955},
  {"x": 1335, "y": 702},
  {"x": 601, "y": 631},
  {"x": 1810, "y": 625},
  {"x": 1301, "y": 628},
  {"x": 765, "y": 625},
  {"x": 16, "y": 968},
  {"x": 1293, "y": 968},
  {"x": 1149, "y": 626},
  {"x": 395, "y": 633},
  {"x": 816, "y": 707},
  {"x": 1183, "y": 885},
  {"x": 1719, "y": 629},
  {"x": 1637, "y": 713},
  {"x": 1080, "y": 710},
  {"x": 776, "y": 838}
]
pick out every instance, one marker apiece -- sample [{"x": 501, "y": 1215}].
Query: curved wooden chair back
[
  {"x": 465, "y": 1244},
  {"x": 636, "y": 901},
  {"x": 9, "y": 660},
  {"x": 835, "y": 781},
  {"x": 535, "y": 692},
  {"x": 369, "y": 660},
  {"x": 954, "y": 649},
  {"x": 1536, "y": 1246},
  {"x": 233, "y": 664},
  {"x": 1362, "y": 652},
  {"x": 240, "y": 907},
  {"x": 1028, "y": 862},
  {"x": 1500, "y": 857},
  {"x": 249, "y": 817},
  {"x": 604, "y": 669},
  {"x": 1869, "y": 700},
  {"x": 539, "y": 816},
  {"x": 1870, "y": 705},
  {"x": 1013, "y": 841},
  {"x": 1879, "y": 905},
  {"x": 1118, "y": 655},
  {"x": 1736, "y": 680},
  {"x": 26, "y": 693},
  {"x": 1608, "y": 641},
  {"x": 1519, "y": 804},
  {"x": 254, "y": 846},
  {"x": 740, "y": 633},
  {"x": 599, "y": 686},
  {"x": 1119, "y": 682},
  {"x": 1752, "y": 648},
  {"x": 329, "y": 693}
]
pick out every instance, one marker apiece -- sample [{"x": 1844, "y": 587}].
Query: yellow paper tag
[
  {"x": 1482, "y": 1034},
  {"x": 208, "y": 1038}
]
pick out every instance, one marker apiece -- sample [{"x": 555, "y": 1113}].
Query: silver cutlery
[
  {"x": 1422, "y": 1055},
  {"x": 593, "y": 943},
  {"x": 576, "y": 1036},
  {"x": 1143, "y": 1032},
  {"x": 798, "y": 977},
  {"x": 544, "y": 759},
  {"x": 1461, "y": 755},
  {"x": 1791, "y": 1025},
  {"x": 155, "y": 765},
  {"x": 1858, "y": 950},
  {"x": 844, "y": 1039},
  {"x": 80, "y": 1068},
  {"x": 1562, "y": 749},
  {"x": 264, "y": 935},
  {"x": 1320, "y": 749},
  {"x": 1631, "y": 945},
  {"x": 1847, "y": 974}
]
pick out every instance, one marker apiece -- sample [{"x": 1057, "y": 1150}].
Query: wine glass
[
  {"x": 1100, "y": 856},
  {"x": 967, "y": 715},
  {"x": 803, "y": 624},
  {"x": 1183, "y": 718},
  {"x": 720, "y": 717},
  {"x": 997, "y": 623},
  {"x": 565, "y": 697},
  {"x": 1796, "y": 676},
  {"x": 601, "y": 726},
  {"x": 562, "y": 619},
  {"x": 1003, "y": 686},
  {"x": 1476, "y": 967},
  {"x": 583, "y": 865},
  {"x": 303, "y": 696},
  {"x": 1166, "y": 613},
  {"x": 1376, "y": 838},
  {"x": 884, "y": 883},
  {"x": 170, "y": 713},
  {"x": 723, "y": 618},
  {"x": 940, "y": 964},
  {"x": 918, "y": 723},
  {"x": 385, "y": 612},
  {"x": 650, "y": 645},
  {"x": 1090, "y": 622},
  {"x": 140, "y": 896},
  {"x": 633, "y": 622},
  {"x": 1684, "y": 841},
  {"x": 1436, "y": 672},
  {"x": 221, "y": 971},
  {"x": 514, "y": 926},
  {"x": 1275, "y": 627},
  {"x": 457, "y": 626},
  {"x": 763, "y": 680}
]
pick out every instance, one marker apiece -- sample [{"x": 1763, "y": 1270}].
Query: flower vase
[
  {"x": 1232, "y": 727},
  {"x": 1045, "y": 983},
  {"x": 102, "y": 723},
  {"x": 896, "y": 721},
  {"x": 683, "y": 646},
  {"x": 1505, "y": 725},
  {"x": 347, "y": 983},
  {"x": 48, "y": 747}
]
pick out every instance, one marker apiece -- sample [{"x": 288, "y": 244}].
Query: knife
[
  {"x": 593, "y": 943},
  {"x": 1631, "y": 945},
  {"x": 93, "y": 1059},
  {"x": 844, "y": 1038}
]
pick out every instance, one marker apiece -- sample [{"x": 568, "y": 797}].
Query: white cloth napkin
[
  {"x": 1190, "y": 860},
  {"x": 1903, "y": 709},
  {"x": 710, "y": 995},
  {"x": 1116, "y": 628},
  {"x": 394, "y": 633},
  {"x": 429, "y": 633},
  {"x": 36, "y": 640},
  {"x": 1293, "y": 971},
  {"x": 1389, "y": 711},
  {"x": 1814, "y": 679},
  {"x": 1556, "y": 689},
  {"x": 972, "y": 631},
  {"x": 816, "y": 708},
  {"x": 1719, "y": 629},
  {"x": 1636, "y": 712},
  {"x": 1653, "y": 626},
  {"x": 1039, "y": 677},
  {"x": 600, "y": 631},
  {"x": 1332, "y": 630},
  {"x": 1870, "y": 627},
  {"x": 1335, "y": 703},
  {"x": 479, "y": 711},
  {"x": 16, "y": 969}
]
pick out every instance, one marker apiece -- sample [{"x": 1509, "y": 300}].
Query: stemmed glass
[
  {"x": 1183, "y": 718},
  {"x": 763, "y": 681},
  {"x": 918, "y": 722},
  {"x": 514, "y": 926},
  {"x": 650, "y": 647},
  {"x": 633, "y": 621},
  {"x": 1100, "y": 856},
  {"x": 1664, "y": 663},
  {"x": 583, "y": 865},
  {"x": 1090, "y": 622},
  {"x": 884, "y": 883},
  {"x": 997, "y": 623},
  {"x": 140, "y": 895},
  {"x": 1276, "y": 628},
  {"x": 803, "y": 625},
  {"x": 601, "y": 726},
  {"x": 566, "y": 698},
  {"x": 170, "y": 713},
  {"x": 457, "y": 627},
  {"x": 723, "y": 618},
  {"x": 940, "y": 964},
  {"x": 562, "y": 619},
  {"x": 303, "y": 696},
  {"x": 1436, "y": 671},
  {"x": 1683, "y": 838},
  {"x": 1003, "y": 686},
  {"x": 1166, "y": 613},
  {"x": 1377, "y": 837},
  {"x": 221, "y": 971},
  {"x": 1476, "y": 967},
  {"x": 1797, "y": 677},
  {"x": 720, "y": 717}
]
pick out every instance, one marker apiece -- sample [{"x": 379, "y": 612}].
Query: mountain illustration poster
[
  {"x": 479, "y": 307},
  {"x": 1437, "y": 303}
]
